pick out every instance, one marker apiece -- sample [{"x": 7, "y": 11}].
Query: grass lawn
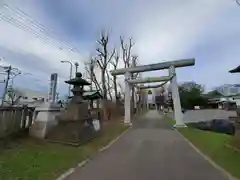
[
  {"x": 214, "y": 146},
  {"x": 32, "y": 160}
]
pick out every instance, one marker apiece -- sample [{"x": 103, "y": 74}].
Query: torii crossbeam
[{"x": 171, "y": 65}]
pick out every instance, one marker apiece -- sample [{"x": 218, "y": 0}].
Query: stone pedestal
[
  {"x": 72, "y": 132},
  {"x": 44, "y": 120},
  {"x": 75, "y": 124}
]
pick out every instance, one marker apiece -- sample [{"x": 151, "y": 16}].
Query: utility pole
[{"x": 9, "y": 69}]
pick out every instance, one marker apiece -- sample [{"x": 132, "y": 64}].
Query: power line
[
  {"x": 238, "y": 2},
  {"x": 34, "y": 23},
  {"x": 22, "y": 27},
  {"x": 44, "y": 33},
  {"x": 25, "y": 28},
  {"x": 21, "y": 14},
  {"x": 41, "y": 26}
]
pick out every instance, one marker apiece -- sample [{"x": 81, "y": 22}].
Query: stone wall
[{"x": 14, "y": 120}]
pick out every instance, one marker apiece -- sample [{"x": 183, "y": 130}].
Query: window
[
  {"x": 35, "y": 99},
  {"x": 25, "y": 97},
  {"x": 233, "y": 90}
]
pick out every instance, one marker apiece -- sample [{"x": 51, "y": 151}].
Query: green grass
[
  {"x": 214, "y": 146},
  {"x": 33, "y": 160}
]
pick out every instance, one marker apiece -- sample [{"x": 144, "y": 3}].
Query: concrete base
[
  {"x": 128, "y": 124},
  {"x": 44, "y": 120},
  {"x": 179, "y": 125}
]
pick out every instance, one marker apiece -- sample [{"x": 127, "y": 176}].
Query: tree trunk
[
  {"x": 104, "y": 88},
  {"x": 109, "y": 86},
  {"x": 115, "y": 87}
]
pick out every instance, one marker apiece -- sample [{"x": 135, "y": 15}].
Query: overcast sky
[{"x": 207, "y": 30}]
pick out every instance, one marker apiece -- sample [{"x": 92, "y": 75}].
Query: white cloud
[
  {"x": 162, "y": 30},
  {"x": 172, "y": 32}
]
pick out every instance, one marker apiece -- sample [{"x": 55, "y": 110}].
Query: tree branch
[
  {"x": 116, "y": 60},
  {"x": 126, "y": 51},
  {"x": 111, "y": 56}
]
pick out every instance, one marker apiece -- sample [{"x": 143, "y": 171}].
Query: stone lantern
[
  {"x": 75, "y": 125},
  {"x": 78, "y": 85}
]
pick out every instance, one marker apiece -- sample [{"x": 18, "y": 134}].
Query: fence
[{"x": 14, "y": 120}]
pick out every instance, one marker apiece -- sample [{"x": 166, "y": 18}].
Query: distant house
[
  {"x": 28, "y": 97},
  {"x": 229, "y": 89},
  {"x": 226, "y": 102}
]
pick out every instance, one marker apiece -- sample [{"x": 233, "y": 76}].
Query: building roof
[
  {"x": 32, "y": 92},
  {"x": 92, "y": 95},
  {"x": 236, "y": 70}
]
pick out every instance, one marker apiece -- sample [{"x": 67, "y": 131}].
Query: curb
[
  {"x": 223, "y": 171},
  {"x": 82, "y": 163},
  {"x": 71, "y": 170},
  {"x": 114, "y": 140}
]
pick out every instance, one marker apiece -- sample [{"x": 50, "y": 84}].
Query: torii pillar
[
  {"x": 171, "y": 65},
  {"x": 127, "y": 100},
  {"x": 178, "y": 115}
]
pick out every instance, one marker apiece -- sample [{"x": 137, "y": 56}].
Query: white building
[
  {"x": 229, "y": 89},
  {"x": 27, "y": 96}
]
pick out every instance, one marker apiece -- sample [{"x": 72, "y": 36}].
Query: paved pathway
[{"x": 149, "y": 151}]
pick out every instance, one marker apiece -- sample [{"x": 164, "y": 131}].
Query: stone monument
[
  {"x": 75, "y": 125},
  {"x": 45, "y": 113}
]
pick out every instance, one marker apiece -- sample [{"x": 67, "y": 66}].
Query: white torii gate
[{"x": 171, "y": 65}]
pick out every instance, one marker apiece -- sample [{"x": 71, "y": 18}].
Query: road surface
[{"x": 151, "y": 150}]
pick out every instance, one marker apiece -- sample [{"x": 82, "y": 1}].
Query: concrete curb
[
  {"x": 114, "y": 140},
  {"x": 223, "y": 171},
  {"x": 82, "y": 163},
  {"x": 71, "y": 170}
]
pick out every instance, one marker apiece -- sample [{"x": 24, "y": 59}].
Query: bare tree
[
  {"x": 14, "y": 96},
  {"x": 109, "y": 85},
  {"x": 89, "y": 68},
  {"x": 115, "y": 62},
  {"x": 121, "y": 90},
  {"x": 104, "y": 57},
  {"x": 128, "y": 60},
  {"x": 134, "y": 64},
  {"x": 126, "y": 51}
]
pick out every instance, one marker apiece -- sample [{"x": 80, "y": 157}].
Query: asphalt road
[{"x": 151, "y": 150}]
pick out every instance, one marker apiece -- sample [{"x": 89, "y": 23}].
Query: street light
[
  {"x": 70, "y": 76},
  {"x": 76, "y": 66}
]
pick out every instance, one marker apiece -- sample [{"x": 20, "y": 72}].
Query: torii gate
[
  {"x": 171, "y": 65},
  {"x": 152, "y": 86}
]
